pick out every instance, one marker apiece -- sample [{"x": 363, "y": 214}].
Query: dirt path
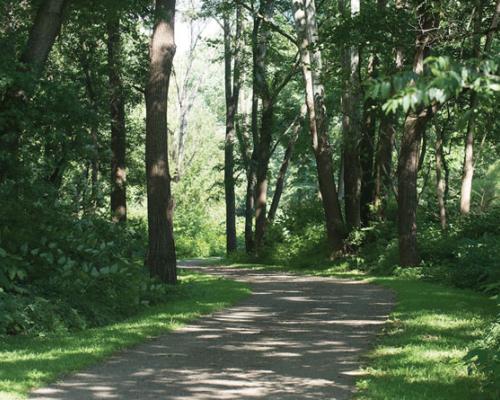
[{"x": 296, "y": 337}]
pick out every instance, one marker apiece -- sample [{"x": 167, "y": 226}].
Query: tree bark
[
  {"x": 280, "y": 181},
  {"x": 468, "y": 165},
  {"x": 367, "y": 149},
  {"x": 232, "y": 90},
  {"x": 94, "y": 162},
  {"x": 414, "y": 129},
  {"x": 387, "y": 134},
  {"x": 305, "y": 21},
  {"x": 45, "y": 29},
  {"x": 161, "y": 257},
  {"x": 352, "y": 126},
  {"x": 440, "y": 178},
  {"x": 118, "y": 130},
  {"x": 264, "y": 155},
  {"x": 252, "y": 167},
  {"x": 383, "y": 163}
]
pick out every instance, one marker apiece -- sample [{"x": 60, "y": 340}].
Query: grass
[
  {"x": 420, "y": 355},
  {"x": 30, "y": 362}
]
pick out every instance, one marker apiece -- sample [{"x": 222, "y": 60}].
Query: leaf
[{"x": 406, "y": 103}]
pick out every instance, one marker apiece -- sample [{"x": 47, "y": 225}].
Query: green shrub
[
  {"x": 62, "y": 272},
  {"x": 484, "y": 357}
]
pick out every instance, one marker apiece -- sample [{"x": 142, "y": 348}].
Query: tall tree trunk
[
  {"x": 468, "y": 165},
  {"x": 94, "y": 128},
  {"x": 263, "y": 158},
  {"x": 266, "y": 125},
  {"x": 305, "y": 21},
  {"x": 280, "y": 181},
  {"x": 161, "y": 257},
  {"x": 440, "y": 178},
  {"x": 352, "y": 126},
  {"x": 252, "y": 167},
  {"x": 232, "y": 89},
  {"x": 118, "y": 131},
  {"x": 414, "y": 129},
  {"x": 387, "y": 134},
  {"x": 367, "y": 148},
  {"x": 383, "y": 163},
  {"x": 251, "y": 179},
  {"x": 43, "y": 33}
]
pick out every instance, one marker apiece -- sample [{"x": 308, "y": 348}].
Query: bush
[
  {"x": 63, "y": 272},
  {"x": 485, "y": 358}
]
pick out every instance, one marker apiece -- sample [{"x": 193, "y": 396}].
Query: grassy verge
[
  {"x": 430, "y": 330},
  {"x": 29, "y": 362}
]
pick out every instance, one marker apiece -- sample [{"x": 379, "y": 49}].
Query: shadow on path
[{"x": 296, "y": 337}]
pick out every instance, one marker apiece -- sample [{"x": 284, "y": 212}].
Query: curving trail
[{"x": 296, "y": 337}]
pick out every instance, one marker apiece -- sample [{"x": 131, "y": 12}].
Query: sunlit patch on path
[{"x": 296, "y": 337}]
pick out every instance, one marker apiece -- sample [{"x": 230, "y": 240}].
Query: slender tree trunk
[
  {"x": 367, "y": 149},
  {"x": 341, "y": 192},
  {"x": 383, "y": 163},
  {"x": 468, "y": 165},
  {"x": 250, "y": 205},
  {"x": 266, "y": 126},
  {"x": 179, "y": 148},
  {"x": 304, "y": 15},
  {"x": 280, "y": 181},
  {"x": 251, "y": 180},
  {"x": 414, "y": 129},
  {"x": 352, "y": 126},
  {"x": 45, "y": 29},
  {"x": 387, "y": 134},
  {"x": 262, "y": 146},
  {"x": 94, "y": 128},
  {"x": 161, "y": 257},
  {"x": 232, "y": 88},
  {"x": 264, "y": 156},
  {"x": 118, "y": 131},
  {"x": 252, "y": 168},
  {"x": 440, "y": 178}
]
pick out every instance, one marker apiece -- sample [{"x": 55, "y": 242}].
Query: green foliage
[
  {"x": 446, "y": 79},
  {"x": 484, "y": 358},
  {"x": 61, "y": 272}
]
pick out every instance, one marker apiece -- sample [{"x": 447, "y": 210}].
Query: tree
[
  {"x": 45, "y": 29},
  {"x": 352, "y": 125},
  {"x": 414, "y": 129},
  {"x": 232, "y": 90},
  {"x": 161, "y": 257},
  {"x": 187, "y": 89},
  {"x": 117, "y": 114},
  {"x": 468, "y": 165},
  {"x": 440, "y": 176},
  {"x": 295, "y": 128},
  {"x": 310, "y": 57}
]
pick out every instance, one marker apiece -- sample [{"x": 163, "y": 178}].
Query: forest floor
[{"x": 296, "y": 337}]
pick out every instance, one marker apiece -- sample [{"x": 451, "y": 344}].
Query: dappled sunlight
[
  {"x": 422, "y": 353},
  {"x": 295, "y": 338},
  {"x": 29, "y": 362}
]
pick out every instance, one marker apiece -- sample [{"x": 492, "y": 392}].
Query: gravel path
[{"x": 296, "y": 337}]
